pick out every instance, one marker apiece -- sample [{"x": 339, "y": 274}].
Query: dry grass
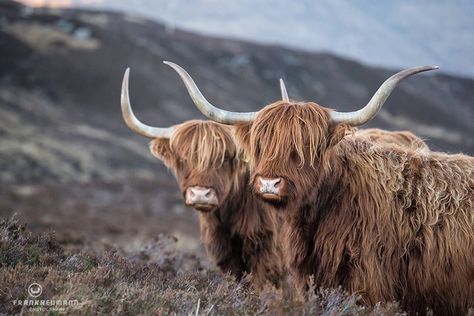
[
  {"x": 156, "y": 280},
  {"x": 45, "y": 38}
]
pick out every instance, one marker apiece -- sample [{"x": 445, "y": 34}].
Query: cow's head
[
  {"x": 201, "y": 154},
  {"x": 286, "y": 144},
  {"x": 290, "y": 143},
  {"x": 204, "y": 160}
]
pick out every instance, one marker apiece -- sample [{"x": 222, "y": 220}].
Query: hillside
[
  {"x": 60, "y": 77},
  {"x": 389, "y": 33}
]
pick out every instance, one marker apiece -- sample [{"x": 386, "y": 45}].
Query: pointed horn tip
[
  {"x": 125, "y": 79},
  {"x": 428, "y": 68},
  {"x": 126, "y": 75},
  {"x": 176, "y": 67},
  {"x": 432, "y": 67}
]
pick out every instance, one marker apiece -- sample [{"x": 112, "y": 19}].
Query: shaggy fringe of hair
[
  {"x": 203, "y": 142},
  {"x": 284, "y": 131},
  {"x": 289, "y": 123}
]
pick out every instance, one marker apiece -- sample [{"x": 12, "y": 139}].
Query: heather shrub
[{"x": 157, "y": 279}]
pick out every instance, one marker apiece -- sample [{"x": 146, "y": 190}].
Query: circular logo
[{"x": 35, "y": 289}]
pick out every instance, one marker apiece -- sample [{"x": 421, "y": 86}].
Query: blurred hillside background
[{"x": 69, "y": 163}]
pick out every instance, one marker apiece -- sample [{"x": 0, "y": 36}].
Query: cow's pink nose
[
  {"x": 269, "y": 186},
  {"x": 200, "y": 196}
]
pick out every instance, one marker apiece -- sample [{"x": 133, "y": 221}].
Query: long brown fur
[
  {"x": 240, "y": 234},
  {"x": 392, "y": 138},
  {"x": 388, "y": 222}
]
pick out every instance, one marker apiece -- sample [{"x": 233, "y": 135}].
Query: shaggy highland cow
[
  {"x": 235, "y": 229},
  {"x": 388, "y": 222}
]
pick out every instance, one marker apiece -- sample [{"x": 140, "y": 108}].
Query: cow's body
[{"x": 408, "y": 236}]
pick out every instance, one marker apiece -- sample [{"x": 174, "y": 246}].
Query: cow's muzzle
[
  {"x": 201, "y": 198},
  {"x": 270, "y": 189}
]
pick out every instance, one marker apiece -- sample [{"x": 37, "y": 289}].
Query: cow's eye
[
  {"x": 294, "y": 155},
  {"x": 257, "y": 150}
]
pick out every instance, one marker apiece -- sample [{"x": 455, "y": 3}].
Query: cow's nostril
[
  {"x": 277, "y": 182},
  {"x": 208, "y": 193}
]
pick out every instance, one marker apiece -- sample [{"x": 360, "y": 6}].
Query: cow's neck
[
  {"x": 243, "y": 212},
  {"x": 237, "y": 200}
]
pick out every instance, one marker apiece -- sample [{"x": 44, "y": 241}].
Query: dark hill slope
[{"x": 60, "y": 75}]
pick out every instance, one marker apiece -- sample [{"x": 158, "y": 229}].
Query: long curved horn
[
  {"x": 132, "y": 122},
  {"x": 369, "y": 111},
  {"x": 206, "y": 108},
  {"x": 284, "y": 93}
]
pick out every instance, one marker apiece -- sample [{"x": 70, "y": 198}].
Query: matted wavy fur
[
  {"x": 388, "y": 222},
  {"x": 392, "y": 138},
  {"x": 240, "y": 235}
]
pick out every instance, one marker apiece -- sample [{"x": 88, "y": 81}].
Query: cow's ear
[
  {"x": 338, "y": 132},
  {"x": 242, "y": 137},
  {"x": 161, "y": 149}
]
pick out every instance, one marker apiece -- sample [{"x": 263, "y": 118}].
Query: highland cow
[
  {"x": 237, "y": 232},
  {"x": 388, "y": 222}
]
